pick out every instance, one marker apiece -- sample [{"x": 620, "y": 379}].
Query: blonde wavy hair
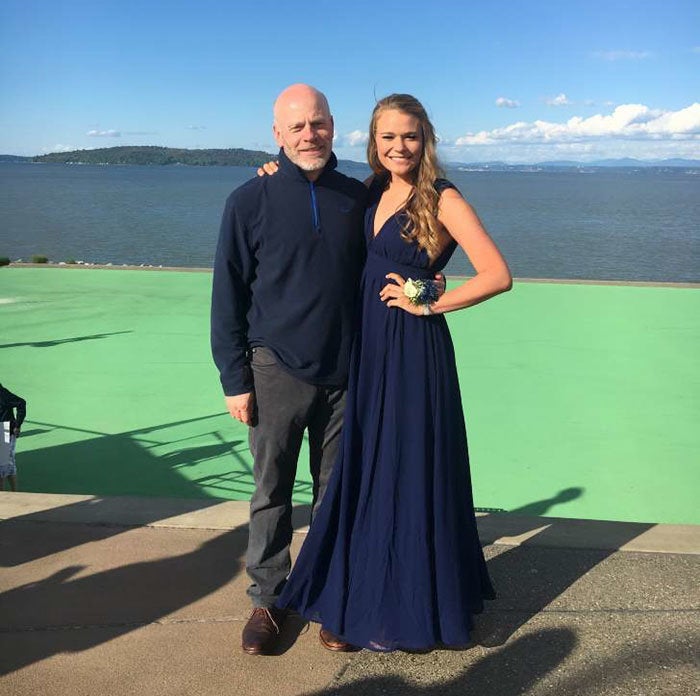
[{"x": 422, "y": 205}]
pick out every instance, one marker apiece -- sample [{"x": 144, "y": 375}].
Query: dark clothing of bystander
[{"x": 13, "y": 408}]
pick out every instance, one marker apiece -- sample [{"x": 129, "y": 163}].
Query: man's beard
[{"x": 310, "y": 165}]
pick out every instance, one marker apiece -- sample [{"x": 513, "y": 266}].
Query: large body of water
[{"x": 617, "y": 224}]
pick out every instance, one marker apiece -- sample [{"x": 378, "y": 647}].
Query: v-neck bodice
[{"x": 389, "y": 244}]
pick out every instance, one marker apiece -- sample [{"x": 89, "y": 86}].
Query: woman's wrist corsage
[{"x": 421, "y": 292}]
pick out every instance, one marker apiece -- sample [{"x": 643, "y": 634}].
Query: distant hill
[
  {"x": 626, "y": 162},
  {"x": 159, "y": 155},
  {"x": 150, "y": 154}
]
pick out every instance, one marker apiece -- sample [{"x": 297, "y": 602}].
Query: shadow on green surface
[
  {"x": 120, "y": 465},
  {"x": 34, "y": 431},
  {"x": 60, "y": 341},
  {"x": 542, "y": 507},
  {"x": 152, "y": 461},
  {"x": 539, "y": 507},
  {"x": 127, "y": 463}
]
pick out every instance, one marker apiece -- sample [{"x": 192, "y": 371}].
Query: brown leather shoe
[
  {"x": 261, "y": 632},
  {"x": 332, "y": 642}
]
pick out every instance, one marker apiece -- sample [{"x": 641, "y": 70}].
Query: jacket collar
[{"x": 290, "y": 169}]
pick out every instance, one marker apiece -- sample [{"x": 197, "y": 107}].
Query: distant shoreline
[
  {"x": 189, "y": 269},
  {"x": 105, "y": 266},
  {"x": 156, "y": 155}
]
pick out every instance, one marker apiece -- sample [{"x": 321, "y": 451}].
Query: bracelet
[{"x": 426, "y": 310}]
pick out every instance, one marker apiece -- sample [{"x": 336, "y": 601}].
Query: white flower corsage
[{"x": 421, "y": 292}]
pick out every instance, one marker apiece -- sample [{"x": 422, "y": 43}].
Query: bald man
[{"x": 286, "y": 274}]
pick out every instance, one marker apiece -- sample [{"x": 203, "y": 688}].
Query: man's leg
[
  {"x": 325, "y": 429},
  {"x": 283, "y": 404}
]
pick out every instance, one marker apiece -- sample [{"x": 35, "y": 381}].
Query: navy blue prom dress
[{"x": 392, "y": 559}]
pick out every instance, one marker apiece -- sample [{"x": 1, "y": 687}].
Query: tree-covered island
[{"x": 150, "y": 154}]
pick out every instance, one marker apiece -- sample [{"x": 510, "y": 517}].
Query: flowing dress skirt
[{"x": 392, "y": 559}]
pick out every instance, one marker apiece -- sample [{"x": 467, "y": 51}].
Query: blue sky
[{"x": 506, "y": 80}]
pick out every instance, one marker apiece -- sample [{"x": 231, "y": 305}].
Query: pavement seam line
[
  {"x": 128, "y": 624},
  {"x": 234, "y": 619},
  {"x": 690, "y": 610}
]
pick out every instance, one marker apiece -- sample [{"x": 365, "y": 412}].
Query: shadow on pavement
[
  {"x": 61, "y": 533},
  {"x": 520, "y": 665},
  {"x": 531, "y": 575},
  {"x": 507, "y": 672},
  {"x": 108, "y": 604}
]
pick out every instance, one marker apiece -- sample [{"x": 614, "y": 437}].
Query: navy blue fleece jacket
[{"x": 286, "y": 275}]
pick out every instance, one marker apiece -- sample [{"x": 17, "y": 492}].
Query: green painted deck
[{"x": 580, "y": 400}]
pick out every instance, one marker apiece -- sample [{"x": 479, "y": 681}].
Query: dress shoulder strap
[{"x": 442, "y": 184}]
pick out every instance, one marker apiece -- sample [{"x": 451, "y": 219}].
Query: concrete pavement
[{"x": 147, "y": 596}]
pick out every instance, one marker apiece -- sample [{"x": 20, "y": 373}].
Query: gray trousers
[{"x": 286, "y": 407}]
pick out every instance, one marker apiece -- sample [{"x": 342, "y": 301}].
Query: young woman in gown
[{"x": 392, "y": 559}]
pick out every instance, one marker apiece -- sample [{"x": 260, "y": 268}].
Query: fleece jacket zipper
[{"x": 314, "y": 208}]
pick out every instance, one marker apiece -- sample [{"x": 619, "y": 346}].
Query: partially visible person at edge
[
  {"x": 13, "y": 410},
  {"x": 393, "y": 559},
  {"x": 286, "y": 273}
]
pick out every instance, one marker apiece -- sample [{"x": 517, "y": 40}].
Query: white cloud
[
  {"x": 104, "y": 134},
  {"x": 626, "y": 122},
  {"x": 622, "y": 55},
  {"x": 559, "y": 100},
  {"x": 527, "y": 153},
  {"x": 695, "y": 49},
  {"x": 506, "y": 103},
  {"x": 196, "y": 127},
  {"x": 355, "y": 138}
]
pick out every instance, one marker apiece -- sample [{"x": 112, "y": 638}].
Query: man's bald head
[
  {"x": 303, "y": 127},
  {"x": 294, "y": 96}
]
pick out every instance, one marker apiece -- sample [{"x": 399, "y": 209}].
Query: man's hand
[
  {"x": 241, "y": 407},
  {"x": 16, "y": 431},
  {"x": 268, "y": 168},
  {"x": 441, "y": 284}
]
